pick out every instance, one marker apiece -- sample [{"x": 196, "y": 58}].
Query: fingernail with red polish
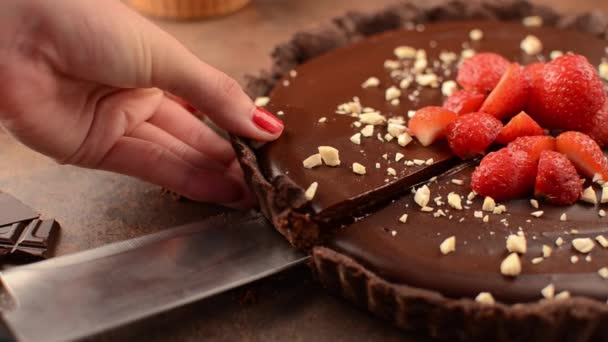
[{"x": 266, "y": 121}]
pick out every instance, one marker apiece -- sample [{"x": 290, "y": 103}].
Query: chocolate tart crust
[{"x": 284, "y": 203}]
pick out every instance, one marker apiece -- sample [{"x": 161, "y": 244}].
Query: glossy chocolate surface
[{"x": 409, "y": 253}]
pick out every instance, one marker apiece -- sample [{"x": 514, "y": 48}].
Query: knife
[{"x": 82, "y": 294}]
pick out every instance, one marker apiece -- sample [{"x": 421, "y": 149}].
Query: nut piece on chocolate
[
  {"x": 313, "y": 161},
  {"x": 583, "y": 245},
  {"x": 516, "y": 244},
  {"x": 485, "y": 298},
  {"x": 511, "y": 265},
  {"x": 330, "y": 155},
  {"x": 448, "y": 245},
  {"x": 311, "y": 191}
]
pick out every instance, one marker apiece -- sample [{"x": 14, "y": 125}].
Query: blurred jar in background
[{"x": 187, "y": 9}]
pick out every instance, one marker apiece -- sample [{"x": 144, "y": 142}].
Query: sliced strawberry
[
  {"x": 472, "y": 133},
  {"x": 464, "y": 101},
  {"x": 520, "y": 125},
  {"x": 429, "y": 124},
  {"x": 557, "y": 181},
  {"x": 584, "y": 153},
  {"x": 568, "y": 95},
  {"x": 505, "y": 174},
  {"x": 482, "y": 72},
  {"x": 510, "y": 95},
  {"x": 599, "y": 130},
  {"x": 533, "y": 145}
]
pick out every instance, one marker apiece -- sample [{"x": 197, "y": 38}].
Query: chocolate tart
[{"x": 359, "y": 247}]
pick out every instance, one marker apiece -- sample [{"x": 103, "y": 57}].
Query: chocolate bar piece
[
  {"x": 13, "y": 211},
  {"x": 28, "y": 241}
]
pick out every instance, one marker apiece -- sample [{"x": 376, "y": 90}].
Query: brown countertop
[{"x": 97, "y": 208}]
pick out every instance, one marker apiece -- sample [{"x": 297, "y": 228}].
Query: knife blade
[{"x": 78, "y": 295}]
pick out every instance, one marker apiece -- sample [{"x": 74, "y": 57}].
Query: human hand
[{"x": 84, "y": 82}]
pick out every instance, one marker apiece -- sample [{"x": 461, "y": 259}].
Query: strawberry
[
  {"x": 568, "y": 94},
  {"x": 470, "y": 134},
  {"x": 584, "y": 153},
  {"x": 429, "y": 124},
  {"x": 534, "y": 71},
  {"x": 520, "y": 125},
  {"x": 533, "y": 145},
  {"x": 504, "y": 174},
  {"x": 464, "y": 101},
  {"x": 482, "y": 72},
  {"x": 556, "y": 179},
  {"x": 509, "y": 96},
  {"x": 599, "y": 130}
]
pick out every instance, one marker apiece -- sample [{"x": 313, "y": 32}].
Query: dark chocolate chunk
[
  {"x": 28, "y": 241},
  {"x": 13, "y": 211}
]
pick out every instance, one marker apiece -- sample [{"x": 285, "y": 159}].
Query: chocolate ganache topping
[{"x": 409, "y": 253}]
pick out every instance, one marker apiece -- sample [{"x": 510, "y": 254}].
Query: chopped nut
[
  {"x": 471, "y": 195},
  {"x": 454, "y": 201},
  {"x": 367, "y": 131},
  {"x": 311, "y": 191},
  {"x": 357, "y": 124},
  {"x": 488, "y": 204},
  {"x": 398, "y": 156},
  {"x": 603, "y": 70},
  {"x": 419, "y": 161},
  {"x": 406, "y": 82},
  {"x": 395, "y": 102},
  {"x": 392, "y": 93},
  {"x": 559, "y": 242},
  {"x": 476, "y": 34},
  {"x": 439, "y": 213},
  {"x": 429, "y": 161},
  {"x": 293, "y": 73},
  {"x": 478, "y": 214},
  {"x": 485, "y": 298},
  {"x": 486, "y": 219},
  {"x": 371, "y": 82},
  {"x": 391, "y": 171},
  {"x": 467, "y": 53},
  {"x": 457, "y": 181},
  {"x": 420, "y": 64},
  {"x": 603, "y": 272},
  {"x": 330, "y": 155},
  {"x": 391, "y": 65},
  {"x": 583, "y": 245},
  {"x": 589, "y": 195},
  {"x": 555, "y": 54},
  {"x": 426, "y": 209},
  {"x": 312, "y": 161},
  {"x": 388, "y": 137},
  {"x": 422, "y": 196},
  {"x": 602, "y": 241},
  {"x": 563, "y": 217},
  {"x": 499, "y": 209},
  {"x": 588, "y": 258},
  {"x": 604, "y": 197},
  {"x": 574, "y": 259},
  {"x": 261, "y": 101},
  {"x": 562, "y": 295},
  {"x": 322, "y": 119},
  {"x": 359, "y": 169},
  {"x": 395, "y": 129},
  {"x": 537, "y": 213},
  {"x": 537, "y": 260},
  {"x": 601, "y": 213},
  {"x": 411, "y": 113},
  {"x": 377, "y": 165},
  {"x": 403, "y": 218},
  {"x": 373, "y": 118},
  {"x": 534, "y": 203},
  {"x": 516, "y": 244},
  {"x": 448, "y": 57},
  {"x": 448, "y": 245},
  {"x": 403, "y": 52},
  {"x": 511, "y": 265},
  {"x": 548, "y": 291},
  {"x": 531, "y": 45},
  {"x": 429, "y": 79},
  {"x": 448, "y": 88},
  {"x": 533, "y": 21},
  {"x": 404, "y": 139},
  {"x": 356, "y": 138},
  {"x": 547, "y": 251}
]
